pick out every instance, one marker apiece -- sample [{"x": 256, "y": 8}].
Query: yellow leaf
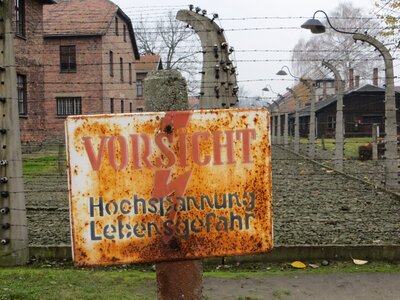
[
  {"x": 298, "y": 265},
  {"x": 359, "y": 261}
]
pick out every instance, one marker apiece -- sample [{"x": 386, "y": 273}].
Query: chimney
[
  {"x": 357, "y": 81},
  {"x": 351, "y": 78},
  {"x": 375, "y": 77}
]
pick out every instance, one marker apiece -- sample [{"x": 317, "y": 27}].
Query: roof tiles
[{"x": 78, "y": 17}]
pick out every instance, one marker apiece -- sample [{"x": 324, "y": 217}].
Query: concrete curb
[{"x": 278, "y": 254}]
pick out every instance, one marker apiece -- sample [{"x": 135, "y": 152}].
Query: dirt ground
[{"x": 306, "y": 286}]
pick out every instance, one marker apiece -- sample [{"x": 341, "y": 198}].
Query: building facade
[
  {"x": 90, "y": 60},
  {"x": 148, "y": 63},
  {"x": 28, "y": 44}
]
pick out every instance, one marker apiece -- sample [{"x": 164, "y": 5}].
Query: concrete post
[
  {"x": 391, "y": 150},
  {"x": 13, "y": 224},
  {"x": 166, "y": 90},
  {"x": 279, "y": 129},
  {"x": 311, "y": 134},
  {"x": 375, "y": 141},
  {"x": 286, "y": 131},
  {"x": 339, "y": 134},
  {"x": 218, "y": 82},
  {"x": 296, "y": 122},
  {"x": 273, "y": 127}
]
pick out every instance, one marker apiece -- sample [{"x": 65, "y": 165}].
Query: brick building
[
  {"x": 28, "y": 44},
  {"x": 148, "y": 63},
  {"x": 90, "y": 56}
]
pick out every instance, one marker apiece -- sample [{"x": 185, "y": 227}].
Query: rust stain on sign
[{"x": 168, "y": 186}]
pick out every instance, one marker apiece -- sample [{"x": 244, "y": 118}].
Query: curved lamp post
[
  {"x": 311, "y": 87},
  {"x": 339, "y": 133},
  {"x": 391, "y": 152},
  {"x": 296, "y": 121},
  {"x": 275, "y": 135},
  {"x": 268, "y": 88}
]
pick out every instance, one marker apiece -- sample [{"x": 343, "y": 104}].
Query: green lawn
[
  {"x": 44, "y": 281},
  {"x": 45, "y": 162},
  {"x": 350, "y": 147}
]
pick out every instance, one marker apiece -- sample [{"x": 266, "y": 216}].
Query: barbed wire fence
[{"x": 313, "y": 204}]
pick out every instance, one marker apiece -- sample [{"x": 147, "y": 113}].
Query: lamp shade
[
  {"x": 281, "y": 73},
  {"x": 314, "y": 25}
]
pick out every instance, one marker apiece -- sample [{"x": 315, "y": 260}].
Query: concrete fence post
[
  {"x": 166, "y": 90},
  {"x": 311, "y": 133},
  {"x": 339, "y": 132},
  {"x": 279, "y": 130},
  {"x": 391, "y": 149},
  {"x": 286, "y": 131},
  {"x": 13, "y": 223},
  {"x": 375, "y": 141},
  {"x": 296, "y": 121}
]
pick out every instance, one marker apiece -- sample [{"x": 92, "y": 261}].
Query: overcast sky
[{"x": 253, "y": 76}]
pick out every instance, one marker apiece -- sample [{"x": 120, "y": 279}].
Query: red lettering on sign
[
  {"x": 218, "y": 147},
  {"x": 196, "y": 148},
  {"x": 95, "y": 160},
  {"x": 247, "y": 135},
  {"x": 112, "y": 152},
  {"x": 165, "y": 150}
]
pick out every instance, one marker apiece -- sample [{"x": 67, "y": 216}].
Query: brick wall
[
  {"x": 85, "y": 83},
  {"x": 113, "y": 87},
  {"x": 29, "y": 58}
]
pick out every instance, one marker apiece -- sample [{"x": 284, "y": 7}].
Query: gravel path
[{"x": 312, "y": 205}]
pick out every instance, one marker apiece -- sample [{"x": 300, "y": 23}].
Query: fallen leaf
[
  {"x": 359, "y": 261},
  {"x": 314, "y": 266},
  {"x": 298, "y": 265}
]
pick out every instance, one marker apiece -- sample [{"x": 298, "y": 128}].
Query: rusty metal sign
[{"x": 149, "y": 187}]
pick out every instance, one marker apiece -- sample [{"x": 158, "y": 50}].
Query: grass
[
  {"x": 138, "y": 281},
  {"x": 39, "y": 283},
  {"x": 44, "y": 165},
  {"x": 46, "y": 162},
  {"x": 350, "y": 147}
]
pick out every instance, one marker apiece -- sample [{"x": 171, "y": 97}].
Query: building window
[
  {"x": 331, "y": 122},
  {"x": 116, "y": 26},
  {"x": 121, "y": 68},
  {"x": 111, "y": 63},
  {"x": 112, "y": 105},
  {"x": 67, "y": 59},
  {"x": 21, "y": 89},
  {"x": 139, "y": 88},
  {"x": 122, "y": 106},
  {"x": 139, "y": 109},
  {"x": 69, "y": 106},
  {"x": 20, "y": 17},
  {"x": 130, "y": 107},
  {"x": 130, "y": 73},
  {"x": 124, "y": 33}
]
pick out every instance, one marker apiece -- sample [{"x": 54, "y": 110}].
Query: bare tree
[
  {"x": 338, "y": 47},
  {"x": 389, "y": 12},
  {"x": 177, "y": 44}
]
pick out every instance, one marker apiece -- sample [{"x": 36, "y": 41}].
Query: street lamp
[
  {"x": 317, "y": 27},
  {"x": 391, "y": 156},
  {"x": 311, "y": 87},
  {"x": 339, "y": 132},
  {"x": 268, "y": 88},
  {"x": 282, "y": 72}
]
